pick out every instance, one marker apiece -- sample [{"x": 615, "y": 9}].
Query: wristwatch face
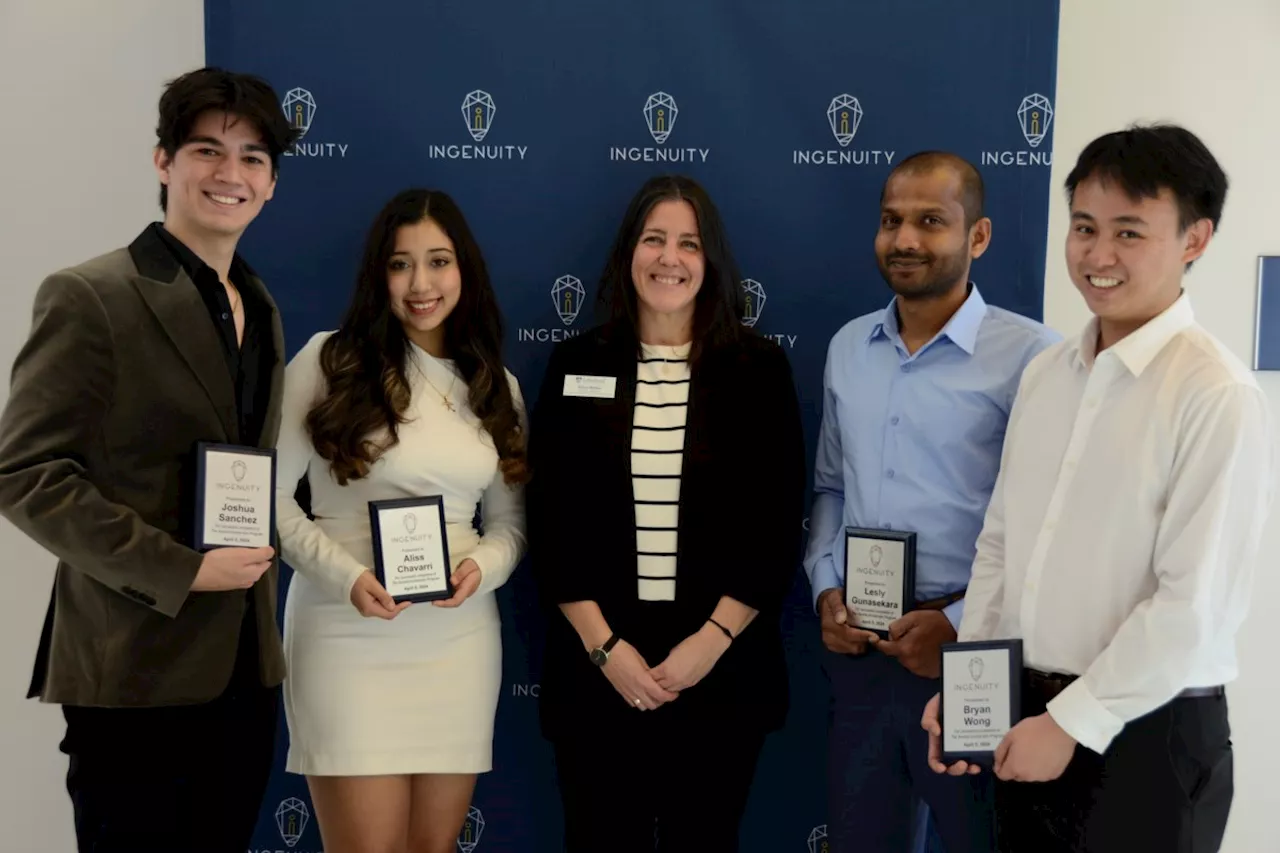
[{"x": 599, "y": 656}]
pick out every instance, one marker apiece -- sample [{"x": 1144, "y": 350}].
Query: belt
[
  {"x": 1049, "y": 684},
  {"x": 941, "y": 601}
]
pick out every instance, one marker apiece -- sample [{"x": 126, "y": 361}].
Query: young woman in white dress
[{"x": 391, "y": 706}]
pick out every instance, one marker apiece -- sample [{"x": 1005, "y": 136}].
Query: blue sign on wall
[
  {"x": 542, "y": 119},
  {"x": 1266, "y": 333}
]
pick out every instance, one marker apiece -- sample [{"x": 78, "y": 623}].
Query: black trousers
[
  {"x": 1165, "y": 784},
  {"x": 191, "y": 777},
  {"x": 670, "y": 788}
]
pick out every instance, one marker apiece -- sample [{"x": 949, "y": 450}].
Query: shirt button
[
  {"x": 224, "y": 315},
  {"x": 894, "y": 420},
  {"x": 889, "y": 473},
  {"x": 906, "y": 368}
]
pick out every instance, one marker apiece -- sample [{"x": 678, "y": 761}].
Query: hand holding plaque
[
  {"x": 880, "y": 576},
  {"x": 411, "y": 549},
  {"x": 235, "y": 496},
  {"x": 980, "y": 699}
]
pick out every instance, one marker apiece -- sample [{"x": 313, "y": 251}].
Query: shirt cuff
[
  {"x": 824, "y": 577},
  {"x": 954, "y": 613},
  {"x": 1082, "y": 716}
]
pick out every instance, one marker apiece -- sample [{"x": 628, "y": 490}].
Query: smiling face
[
  {"x": 667, "y": 264},
  {"x": 424, "y": 282},
  {"x": 1127, "y": 256},
  {"x": 923, "y": 247},
  {"x": 218, "y": 180}
]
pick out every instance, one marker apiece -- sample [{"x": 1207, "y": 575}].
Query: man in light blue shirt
[{"x": 916, "y": 399}]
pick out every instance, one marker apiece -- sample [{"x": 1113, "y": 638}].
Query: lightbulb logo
[
  {"x": 300, "y": 109},
  {"x": 472, "y": 829},
  {"x": 844, "y": 114},
  {"x": 478, "y": 110},
  {"x": 291, "y": 820},
  {"x": 976, "y": 666},
  {"x": 1035, "y": 114},
  {"x": 568, "y": 294},
  {"x": 660, "y": 113}
]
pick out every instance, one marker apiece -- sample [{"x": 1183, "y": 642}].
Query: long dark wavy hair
[
  {"x": 719, "y": 305},
  {"x": 364, "y": 360}
]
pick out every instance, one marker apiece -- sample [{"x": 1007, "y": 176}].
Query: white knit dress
[{"x": 417, "y": 694}]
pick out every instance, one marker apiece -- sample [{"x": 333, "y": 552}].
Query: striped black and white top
[{"x": 657, "y": 457}]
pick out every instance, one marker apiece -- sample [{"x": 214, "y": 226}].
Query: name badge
[{"x": 602, "y": 387}]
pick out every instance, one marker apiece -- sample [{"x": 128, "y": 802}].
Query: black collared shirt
[{"x": 249, "y": 362}]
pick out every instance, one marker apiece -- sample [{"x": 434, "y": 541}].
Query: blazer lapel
[
  {"x": 178, "y": 307},
  {"x": 618, "y": 414}
]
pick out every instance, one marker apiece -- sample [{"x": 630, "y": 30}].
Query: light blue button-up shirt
[{"x": 913, "y": 442}]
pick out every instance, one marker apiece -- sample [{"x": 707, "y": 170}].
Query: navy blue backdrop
[{"x": 542, "y": 119}]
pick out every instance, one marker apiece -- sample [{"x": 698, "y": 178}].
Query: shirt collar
[
  {"x": 1137, "y": 350},
  {"x": 961, "y": 329},
  {"x": 196, "y": 269}
]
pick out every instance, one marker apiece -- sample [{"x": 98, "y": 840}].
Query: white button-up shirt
[{"x": 1121, "y": 537}]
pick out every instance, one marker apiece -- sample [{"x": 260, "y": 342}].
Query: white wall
[
  {"x": 79, "y": 83},
  {"x": 1212, "y": 68}
]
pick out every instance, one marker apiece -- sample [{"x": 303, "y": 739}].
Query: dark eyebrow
[
  {"x": 1118, "y": 220},
  {"x": 209, "y": 140}
]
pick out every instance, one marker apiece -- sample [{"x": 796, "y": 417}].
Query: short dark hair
[
  {"x": 1142, "y": 160},
  {"x": 187, "y": 97},
  {"x": 973, "y": 193},
  {"x": 720, "y": 303}
]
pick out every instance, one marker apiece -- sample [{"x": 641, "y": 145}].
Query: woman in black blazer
[{"x": 664, "y": 520}]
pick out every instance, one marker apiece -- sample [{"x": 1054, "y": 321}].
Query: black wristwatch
[{"x": 600, "y": 654}]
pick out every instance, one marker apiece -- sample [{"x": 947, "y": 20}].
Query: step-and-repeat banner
[{"x": 542, "y": 119}]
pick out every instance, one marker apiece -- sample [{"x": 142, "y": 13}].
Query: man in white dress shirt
[{"x": 1121, "y": 540}]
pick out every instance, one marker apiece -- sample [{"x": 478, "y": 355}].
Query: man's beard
[{"x": 940, "y": 274}]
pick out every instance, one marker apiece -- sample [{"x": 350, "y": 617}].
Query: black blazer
[{"x": 740, "y": 517}]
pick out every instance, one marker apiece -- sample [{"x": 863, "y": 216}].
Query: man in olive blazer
[{"x": 166, "y": 660}]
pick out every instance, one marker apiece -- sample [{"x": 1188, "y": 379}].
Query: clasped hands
[
  {"x": 646, "y": 688},
  {"x": 915, "y": 639}
]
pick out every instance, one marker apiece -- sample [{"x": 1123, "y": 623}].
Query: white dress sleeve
[
  {"x": 303, "y": 545},
  {"x": 503, "y": 519}
]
